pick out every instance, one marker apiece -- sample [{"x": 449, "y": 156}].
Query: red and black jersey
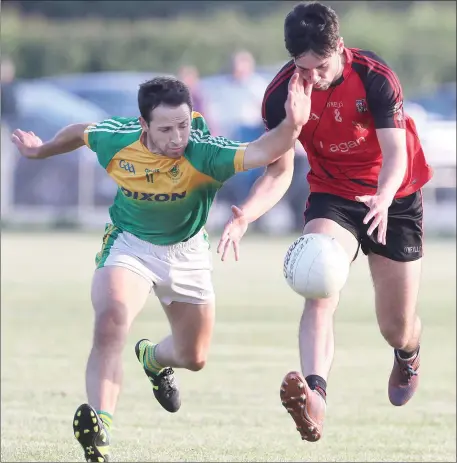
[{"x": 340, "y": 137}]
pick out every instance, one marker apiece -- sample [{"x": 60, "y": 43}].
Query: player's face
[
  {"x": 321, "y": 71},
  {"x": 169, "y": 130}
]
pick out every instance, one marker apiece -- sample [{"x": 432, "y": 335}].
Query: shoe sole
[
  {"x": 293, "y": 398},
  {"x": 86, "y": 428}
]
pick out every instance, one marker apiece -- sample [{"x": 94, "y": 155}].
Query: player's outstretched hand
[
  {"x": 378, "y": 213},
  {"x": 298, "y": 103},
  {"x": 27, "y": 143},
  {"x": 233, "y": 232}
]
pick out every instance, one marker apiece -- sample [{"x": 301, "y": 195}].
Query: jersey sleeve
[
  {"x": 105, "y": 138},
  {"x": 217, "y": 157},
  {"x": 273, "y": 110},
  {"x": 385, "y": 99}
]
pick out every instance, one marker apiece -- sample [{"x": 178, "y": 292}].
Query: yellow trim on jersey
[
  {"x": 86, "y": 133},
  {"x": 196, "y": 114},
  {"x": 239, "y": 158}
]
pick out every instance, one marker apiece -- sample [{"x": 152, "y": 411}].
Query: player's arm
[
  {"x": 281, "y": 139},
  {"x": 274, "y": 183},
  {"x": 270, "y": 187},
  {"x": 394, "y": 161},
  {"x": 271, "y": 145},
  {"x": 385, "y": 100},
  {"x": 68, "y": 139}
]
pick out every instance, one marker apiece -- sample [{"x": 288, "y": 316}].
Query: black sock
[
  {"x": 316, "y": 382},
  {"x": 407, "y": 355}
]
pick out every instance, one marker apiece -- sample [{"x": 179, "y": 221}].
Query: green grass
[{"x": 231, "y": 410}]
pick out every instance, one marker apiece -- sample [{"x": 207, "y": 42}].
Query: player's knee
[
  {"x": 111, "y": 327},
  {"x": 327, "y": 305}
]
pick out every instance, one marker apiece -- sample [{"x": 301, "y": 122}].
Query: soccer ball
[{"x": 316, "y": 266}]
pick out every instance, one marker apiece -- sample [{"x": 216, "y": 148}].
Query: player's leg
[
  {"x": 396, "y": 273},
  {"x": 304, "y": 396},
  {"x": 119, "y": 291},
  {"x": 187, "y": 347},
  {"x": 118, "y": 295},
  {"x": 396, "y": 288},
  {"x": 191, "y": 333},
  {"x": 188, "y": 301}
]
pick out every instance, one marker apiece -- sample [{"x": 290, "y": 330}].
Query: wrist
[
  {"x": 39, "y": 152},
  {"x": 386, "y": 193},
  {"x": 293, "y": 128}
]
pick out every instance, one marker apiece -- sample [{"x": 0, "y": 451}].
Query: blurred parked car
[
  {"x": 45, "y": 109},
  {"x": 440, "y": 104},
  {"x": 114, "y": 92}
]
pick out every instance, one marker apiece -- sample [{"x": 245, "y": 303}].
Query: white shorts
[{"x": 180, "y": 272}]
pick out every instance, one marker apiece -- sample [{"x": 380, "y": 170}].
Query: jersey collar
[{"x": 347, "y": 67}]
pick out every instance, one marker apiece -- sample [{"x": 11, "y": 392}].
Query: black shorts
[{"x": 404, "y": 227}]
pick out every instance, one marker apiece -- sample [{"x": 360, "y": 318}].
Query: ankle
[
  {"x": 407, "y": 354},
  {"x": 106, "y": 418},
  {"x": 318, "y": 384}
]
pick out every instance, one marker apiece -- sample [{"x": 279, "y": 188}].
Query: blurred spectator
[
  {"x": 243, "y": 95},
  {"x": 191, "y": 77},
  {"x": 250, "y": 87},
  {"x": 8, "y": 92}
]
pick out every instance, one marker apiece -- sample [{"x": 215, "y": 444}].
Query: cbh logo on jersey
[{"x": 346, "y": 146}]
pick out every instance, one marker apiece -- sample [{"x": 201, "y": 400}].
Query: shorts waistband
[{"x": 183, "y": 245}]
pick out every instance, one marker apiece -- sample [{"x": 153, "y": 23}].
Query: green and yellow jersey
[{"x": 160, "y": 199}]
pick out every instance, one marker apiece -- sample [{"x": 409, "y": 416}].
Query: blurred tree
[
  {"x": 133, "y": 9},
  {"x": 418, "y": 41}
]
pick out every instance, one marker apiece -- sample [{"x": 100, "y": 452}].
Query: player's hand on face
[
  {"x": 27, "y": 143},
  {"x": 378, "y": 214},
  {"x": 233, "y": 232},
  {"x": 298, "y": 103}
]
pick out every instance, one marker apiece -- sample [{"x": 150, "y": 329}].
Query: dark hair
[
  {"x": 311, "y": 27},
  {"x": 162, "y": 90}
]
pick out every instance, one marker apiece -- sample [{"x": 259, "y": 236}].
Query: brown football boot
[
  {"x": 307, "y": 407},
  {"x": 404, "y": 379}
]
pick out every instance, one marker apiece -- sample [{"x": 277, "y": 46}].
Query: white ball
[{"x": 316, "y": 266}]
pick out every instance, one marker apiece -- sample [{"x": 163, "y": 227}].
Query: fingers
[
  {"x": 379, "y": 222},
  {"x": 363, "y": 199},
  {"x": 223, "y": 240},
  {"x": 226, "y": 249},
  {"x": 224, "y": 237},
  {"x": 16, "y": 140},
  {"x": 18, "y": 134},
  {"x": 382, "y": 231},
  {"x": 308, "y": 88},
  {"x": 371, "y": 213},
  {"x": 236, "y": 249},
  {"x": 293, "y": 82},
  {"x": 221, "y": 244},
  {"x": 374, "y": 224}
]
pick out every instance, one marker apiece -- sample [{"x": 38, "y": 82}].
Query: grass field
[{"x": 231, "y": 410}]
